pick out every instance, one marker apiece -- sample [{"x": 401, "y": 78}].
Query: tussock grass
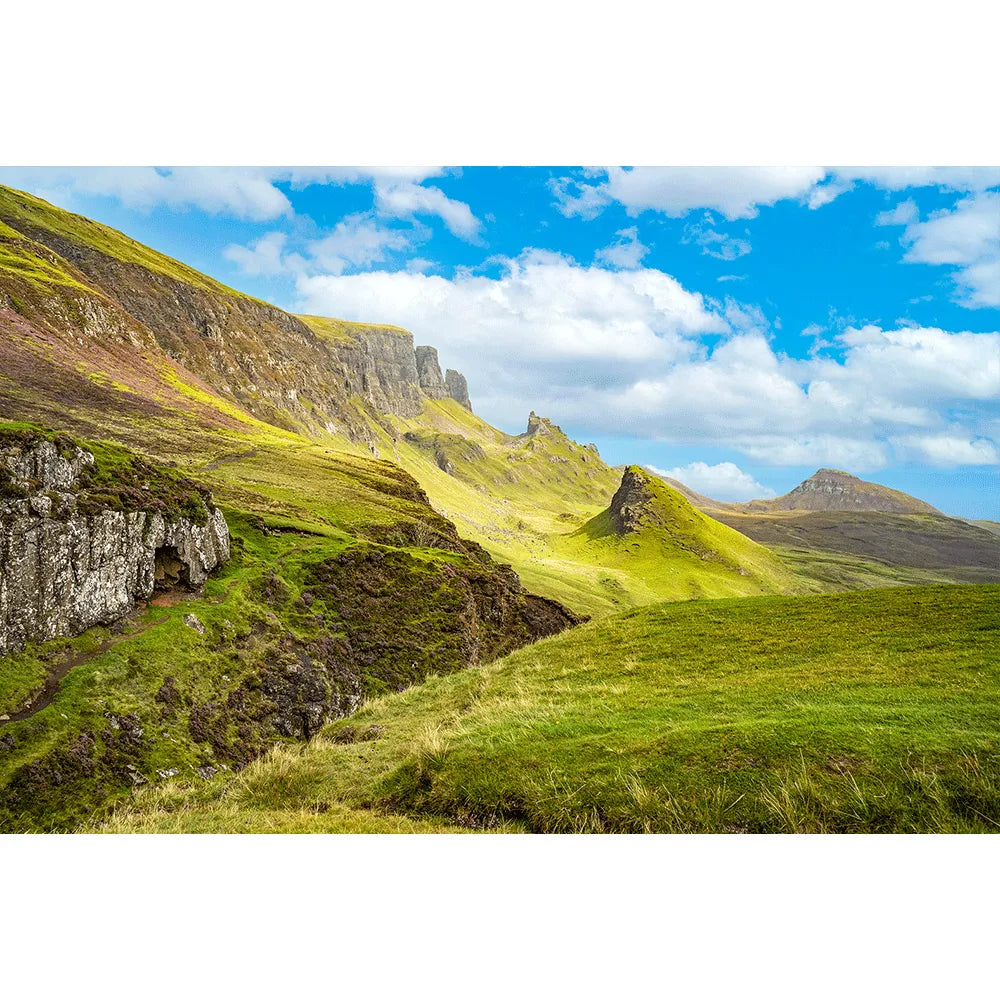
[{"x": 866, "y": 712}]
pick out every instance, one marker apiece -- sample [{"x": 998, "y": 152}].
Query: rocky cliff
[
  {"x": 63, "y": 274},
  {"x": 429, "y": 372},
  {"x": 630, "y": 506},
  {"x": 458, "y": 388},
  {"x": 77, "y": 551}
]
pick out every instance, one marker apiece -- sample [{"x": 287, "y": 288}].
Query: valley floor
[{"x": 859, "y": 712}]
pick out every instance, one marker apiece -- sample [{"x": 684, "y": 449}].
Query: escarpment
[
  {"x": 300, "y": 373},
  {"x": 81, "y": 543},
  {"x": 429, "y": 372}
]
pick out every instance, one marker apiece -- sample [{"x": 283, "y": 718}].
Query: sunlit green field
[{"x": 876, "y": 711}]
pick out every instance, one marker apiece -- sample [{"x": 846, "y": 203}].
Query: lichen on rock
[{"x": 75, "y": 552}]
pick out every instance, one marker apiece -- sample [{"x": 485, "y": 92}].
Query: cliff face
[
  {"x": 458, "y": 388},
  {"x": 429, "y": 371},
  {"x": 73, "y": 556},
  {"x": 380, "y": 364},
  {"x": 283, "y": 369}
]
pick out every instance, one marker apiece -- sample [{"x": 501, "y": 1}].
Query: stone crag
[
  {"x": 458, "y": 388},
  {"x": 67, "y": 562},
  {"x": 631, "y": 501},
  {"x": 429, "y": 371}
]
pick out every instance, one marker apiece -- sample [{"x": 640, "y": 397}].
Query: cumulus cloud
[
  {"x": 902, "y": 215},
  {"x": 357, "y": 241},
  {"x": 626, "y": 252},
  {"x": 739, "y": 192},
  {"x": 724, "y": 481},
  {"x": 734, "y": 192},
  {"x": 546, "y": 311},
  {"x": 966, "y": 237},
  {"x": 948, "y": 449},
  {"x": 247, "y": 192},
  {"x": 898, "y": 178},
  {"x": 624, "y": 352},
  {"x": 264, "y": 256},
  {"x": 406, "y": 199}
]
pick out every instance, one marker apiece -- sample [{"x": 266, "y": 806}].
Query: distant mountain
[
  {"x": 831, "y": 489},
  {"x": 842, "y": 531}
]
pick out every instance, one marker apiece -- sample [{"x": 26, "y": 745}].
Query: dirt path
[{"x": 44, "y": 697}]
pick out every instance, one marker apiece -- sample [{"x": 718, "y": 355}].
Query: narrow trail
[
  {"x": 56, "y": 672},
  {"x": 44, "y": 697}
]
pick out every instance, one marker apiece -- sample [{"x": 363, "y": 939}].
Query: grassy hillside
[
  {"x": 539, "y": 501},
  {"x": 343, "y": 583},
  {"x": 867, "y": 712},
  {"x": 24, "y": 215}
]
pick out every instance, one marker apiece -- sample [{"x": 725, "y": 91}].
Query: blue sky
[{"x": 736, "y": 327}]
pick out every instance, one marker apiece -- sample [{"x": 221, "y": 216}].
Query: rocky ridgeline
[{"x": 74, "y": 555}]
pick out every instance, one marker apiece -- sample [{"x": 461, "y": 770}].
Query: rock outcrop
[
  {"x": 74, "y": 554},
  {"x": 458, "y": 388},
  {"x": 630, "y": 501},
  {"x": 429, "y": 373}
]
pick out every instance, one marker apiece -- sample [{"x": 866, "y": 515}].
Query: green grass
[
  {"x": 876, "y": 711},
  {"x": 20, "y": 211},
  {"x": 539, "y": 502},
  {"x": 343, "y": 330}
]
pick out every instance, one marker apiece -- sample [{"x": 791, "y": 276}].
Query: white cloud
[
  {"x": 966, "y": 237},
  {"x": 724, "y": 481},
  {"x": 246, "y": 192},
  {"x": 626, "y": 252},
  {"x": 948, "y": 449},
  {"x": 264, "y": 256},
  {"x": 576, "y": 198},
  {"x": 622, "y": 352},
  {"x": 545, "y": 311},
  {"x": 739, "y": 192},
  {"x": 406, "y": 199},
  {"x": 715, "y": 244},
  {"x": 734, "y": 192},
  {"x": 238, "y": 192},
  {"x": 902, "y": 215},
  {"x": 898, "y": 178},
  {"x": 357, "y": 241}
]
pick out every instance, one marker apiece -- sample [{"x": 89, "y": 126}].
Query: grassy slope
[
  {"x": 25, "y": 212},
  {"x": 874, "y": 711},
  {"x": 537, "y": 501},
  {"x": 680, "y": 553}
]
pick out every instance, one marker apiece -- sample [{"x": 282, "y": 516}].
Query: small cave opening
[{"x": 170, "y": 572}]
